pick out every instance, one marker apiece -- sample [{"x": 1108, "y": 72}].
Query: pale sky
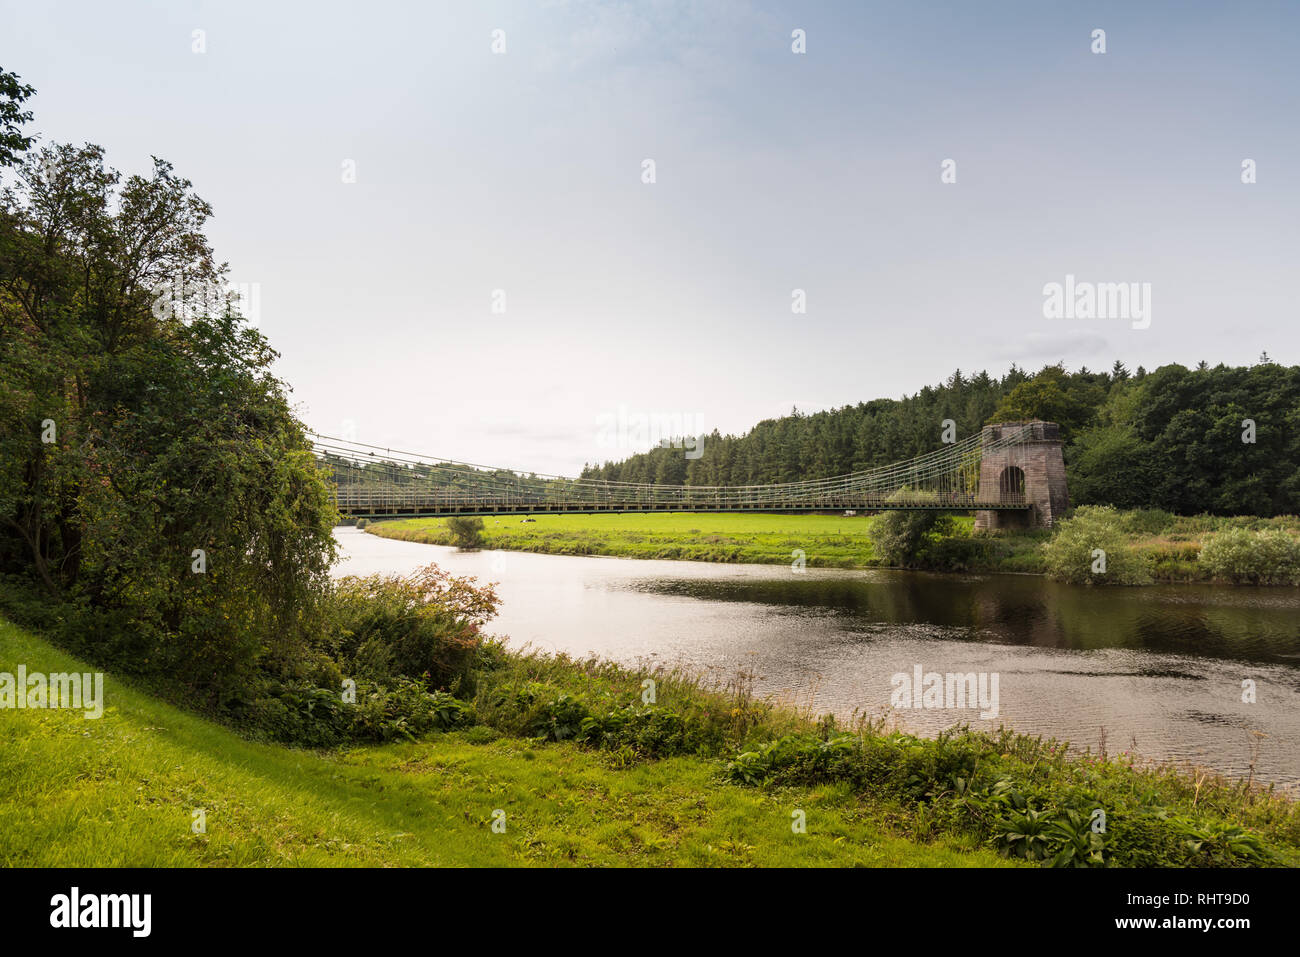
[{"x": 522, "y": 171}]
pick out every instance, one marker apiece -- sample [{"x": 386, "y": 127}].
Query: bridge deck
[{"x": 363, "y": 504}]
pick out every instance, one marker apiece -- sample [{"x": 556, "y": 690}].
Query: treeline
[
  {"x": 1223, "y": 440},
  {"x": 449, "y": 477},
  {"x": 383, "y": 473}
]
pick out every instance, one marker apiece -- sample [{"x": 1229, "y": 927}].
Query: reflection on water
[
  {"x": 1247, "y": 624},
  {"x": 1159, "y": 669}
]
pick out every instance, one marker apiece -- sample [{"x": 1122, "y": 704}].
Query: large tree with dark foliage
[{"x": 154, "y": 484}]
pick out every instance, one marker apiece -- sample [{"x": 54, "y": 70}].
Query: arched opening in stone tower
[{"x": 1011, "y": 485}]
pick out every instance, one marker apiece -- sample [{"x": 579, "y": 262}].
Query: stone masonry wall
[{"x": 1039, "y": 456}]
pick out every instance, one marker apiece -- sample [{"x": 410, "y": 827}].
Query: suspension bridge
[{"x": 1008, "y": 474}]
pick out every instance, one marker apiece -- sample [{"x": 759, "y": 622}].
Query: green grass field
[
  {"x": 1167, "y": 544},
  {"x": 829, "y": 541},
  {"x": 120, "y": 791}
]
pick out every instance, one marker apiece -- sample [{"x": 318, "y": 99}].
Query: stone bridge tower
[{"x": 1031, "y": 468}]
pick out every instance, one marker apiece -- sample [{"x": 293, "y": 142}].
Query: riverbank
[
  {"x": 821, "y": 541},
  {"x": 1166, "y": 546},
  {"x": 827, "y": 541},
  {"x": 594, "y": 764},
  {"x": 122, "y": 790}
]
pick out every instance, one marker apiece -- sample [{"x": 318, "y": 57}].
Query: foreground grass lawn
[{"x": 120, "y": 791}]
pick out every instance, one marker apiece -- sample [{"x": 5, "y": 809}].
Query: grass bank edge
[
  {"x": 1146, "y": 545},
  {"x": 119, "y": 791},
  {"x": 1013, "y": 793}
]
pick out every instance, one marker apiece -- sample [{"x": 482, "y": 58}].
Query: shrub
[
  {"x": 1173, "y": 561},
  {"x": 310, "y": 716},
  {"x": 958, "y": 553},
  {"x": 362, "y": 523},
  {"x": 465, "y": 532},
  {"x": 900, "y": 537},
  {"x": 1267, "y": 557},
  {"x": 1015, "y": 792},
  {"x": 1147, "y": 521},
  {"x": 1091, "y": 548},
  {"x": 423, "y": 627},
  {"x": 559, "y": 719},
  {"x": 648, "y": 730}
]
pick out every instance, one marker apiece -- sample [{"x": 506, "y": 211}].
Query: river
[{"x": 1157, "y": 670}]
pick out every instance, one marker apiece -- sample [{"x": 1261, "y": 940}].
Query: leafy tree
[
  {"x": 1110, "y": 465},
  {"x": 12, "y": 117},
  {"x": 152, "y": 475},
  {"x": 1047, "y": 396}
]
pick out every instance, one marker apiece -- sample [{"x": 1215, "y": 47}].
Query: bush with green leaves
[
  {"x": 424, "y": 627},
  {"x": 1270, "y": 556},
  {"x": 465, "y": 532},
  {"x": 1091, "y": 548},
  {"x": 958, "y": 553},
  {"x": 901, "y": 537},
  {"x": 1147, "y": 521},
  {"x": 1019, "y": 794},
  {"x": 307, "y": 715},
  {"x": 648, "y": 730}
]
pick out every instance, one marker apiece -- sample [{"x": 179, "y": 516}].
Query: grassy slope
[{"x": 120, "y": 791}]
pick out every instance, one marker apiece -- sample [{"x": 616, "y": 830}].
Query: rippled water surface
[{"x": 1158, "y": 668}]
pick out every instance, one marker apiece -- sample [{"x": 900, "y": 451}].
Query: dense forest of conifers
[{"x": 1223, "y": 440}]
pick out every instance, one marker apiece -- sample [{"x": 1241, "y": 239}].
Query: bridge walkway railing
[{"x": 396, "y": 500}]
